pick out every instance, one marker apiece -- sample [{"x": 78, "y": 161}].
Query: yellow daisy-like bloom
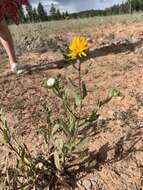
[{"x": 78, "y": 47}]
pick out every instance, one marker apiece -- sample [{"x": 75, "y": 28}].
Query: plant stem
[
  {"x": 79, "y": 77},
  {"x": 80, "y": 93},
  {"x": 65, "y": 103}
]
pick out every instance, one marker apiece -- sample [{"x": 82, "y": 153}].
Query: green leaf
[
  {"x": 65, "y": 150},
  {"x": 72, "y": 83},
  {"x": 114, "y": 93},
  {"x": 93, "y": 117},
  {"x": 27, "y": 153},
  {"x": 82, "y": 142},
  {"x": 72, "y": 123},
  {"x": 84, "y": 90},
  {"x": 57, "y": 160},
  {"x": 98, "y": 104},
  {"x": 65, "y": 94},
  {"x": 22, "y": 153},
  {"x": 59, "y": 143},
  {"x": 77, "y": 99},
  {"x": 6, "y": 131},
  {"x": 6, "y": 136},
  {"x": 55, "y": 128},
  {"x": 65, "y": 127},
  {"x": 77, "y": 144},
  {"x": 30, "y": 172},
  {"x": 85, "y": 124}
]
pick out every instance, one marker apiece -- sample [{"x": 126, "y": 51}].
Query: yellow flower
[{"x": 78, "y": 47}]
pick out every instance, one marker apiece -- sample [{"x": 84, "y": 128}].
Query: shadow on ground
[
  {"x": 93, "y": 161},
  {"x": 99, "y": 52}
]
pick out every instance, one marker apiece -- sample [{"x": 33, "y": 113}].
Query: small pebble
[{"x": 87, "y": 184}]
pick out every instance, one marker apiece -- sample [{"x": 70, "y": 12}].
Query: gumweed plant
[
  {"x": 70, "y": 122},
  {"x": 64, "y": 136},
  {"x": 65, "y": 133}
]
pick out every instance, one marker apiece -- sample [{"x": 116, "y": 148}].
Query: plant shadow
[
  {"x": 94, "y": 161},
  {"x": 98, "y": 52}
]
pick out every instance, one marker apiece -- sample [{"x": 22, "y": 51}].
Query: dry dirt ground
[{"x": 116, "y": 146}]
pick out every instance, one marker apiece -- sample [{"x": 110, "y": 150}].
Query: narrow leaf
[
  {"x": 77, "y": 99},
  {"x": 57, "y": 160},
  {"x": 65, "y": 127},
  {"x": 84, "y": 90},
  {"x": 114, "y": 93}
]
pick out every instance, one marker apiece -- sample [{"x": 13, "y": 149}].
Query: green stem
[
  {"x": 65, "y": 103},
  {"x": 79, "y": 78},
  {"x": 80, "y": 93}
]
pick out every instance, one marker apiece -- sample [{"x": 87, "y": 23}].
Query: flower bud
[{"x": 51, "y": 82}]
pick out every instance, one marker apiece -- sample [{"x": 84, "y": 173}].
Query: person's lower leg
[{"x": 7, "y": 42}]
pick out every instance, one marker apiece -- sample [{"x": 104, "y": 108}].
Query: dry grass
[{"x": 73, "y": 25}]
